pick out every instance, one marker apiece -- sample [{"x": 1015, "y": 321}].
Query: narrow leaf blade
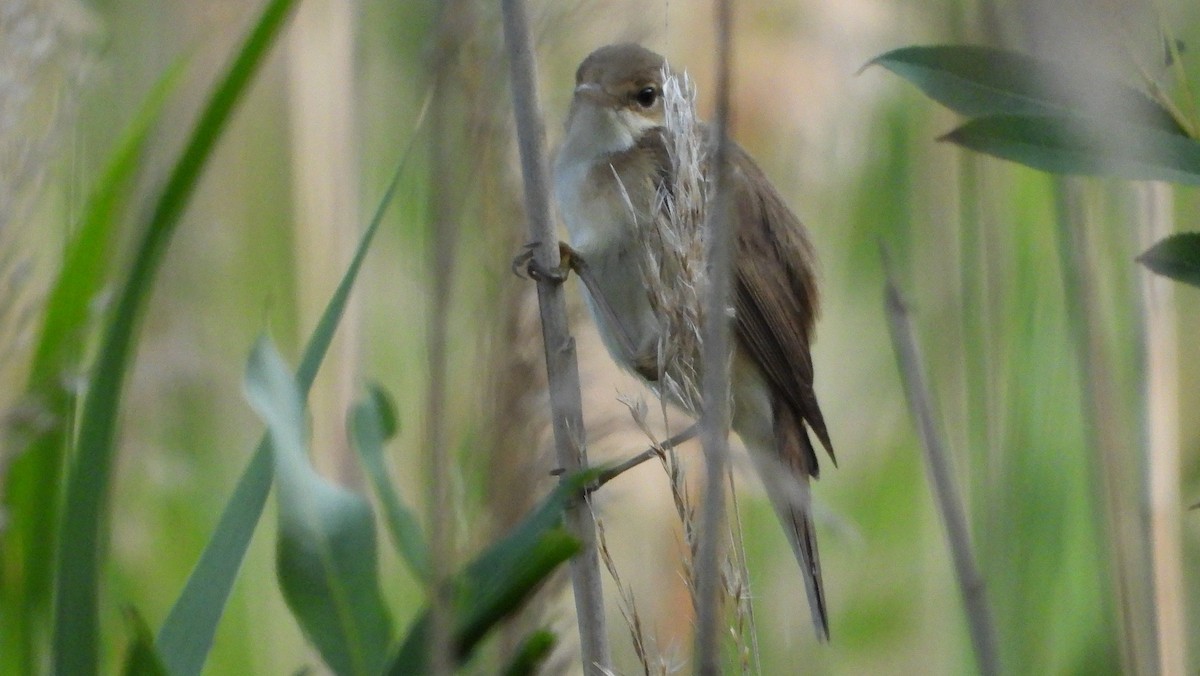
[
  {"x": 1177, "y": 257},
  {"x": 33, "y": 481},
  {"x": 76, "y": 618}
]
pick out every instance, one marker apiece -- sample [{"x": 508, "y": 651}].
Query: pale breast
[{"x": 599, "y": 212}]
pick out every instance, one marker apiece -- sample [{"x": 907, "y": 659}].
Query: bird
[{"x": 611, "y": 169}]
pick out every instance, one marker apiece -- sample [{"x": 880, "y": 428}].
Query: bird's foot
[{"x": 526, "y": 265}]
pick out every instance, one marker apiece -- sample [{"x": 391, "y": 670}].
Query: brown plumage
[{"x": 613, "y": 162}]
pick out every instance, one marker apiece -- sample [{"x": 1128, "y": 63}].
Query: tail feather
[
  {"x": 785, "y": 470},
  {"x": 798, "y": 522}
]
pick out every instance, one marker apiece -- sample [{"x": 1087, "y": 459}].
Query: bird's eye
[{"x": 646, "y": 96}]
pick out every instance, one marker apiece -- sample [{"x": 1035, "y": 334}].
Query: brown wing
[{"x": 776, "y": 299}]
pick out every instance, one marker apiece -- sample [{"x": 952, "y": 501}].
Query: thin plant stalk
[
  {"x": 442, "y": 242},
  {"x": 562, "y": 368},
  {"x": 1160, "y": 412},
  {"x": 325, "y": 179},
  {"x": 941, "y": 479},
  {"x": 715, "y": 350},
  {"x": 1116, "y": 482}
]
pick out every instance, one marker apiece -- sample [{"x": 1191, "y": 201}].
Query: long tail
[
  {"x": 797, "y": 522},
  {"x": 785, "y": 469}
]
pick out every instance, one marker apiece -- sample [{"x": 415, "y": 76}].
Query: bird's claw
[
  {"x": 520, "y": 263},
  {"x": 526, "y": 266}
]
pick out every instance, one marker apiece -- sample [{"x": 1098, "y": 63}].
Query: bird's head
[{"x": 618, "y": 98}]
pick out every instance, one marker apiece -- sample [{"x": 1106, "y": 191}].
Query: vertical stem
[
  {"x": 941, "y": 480},
  {"x": 714, "y": 423},
  {"x": 1160, "y": 404},
  {"x": 562, "y": 369},
  {"x": 1118, "y": 482},
  {"x": 325, "y": 187},
  {"x": 443, "y": 240},
  {"x": 978, "y": 404}
]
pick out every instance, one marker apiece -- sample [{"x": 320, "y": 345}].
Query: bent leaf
[
  {"x": 1073, "y": 145},
  {"x": 977, "y": 81},
  {"x": 326, "y": 552},
  {"x": 372, "y": 422},
  {"x": 187, "y": 634},
  {"x": 1177, "y": 257}
]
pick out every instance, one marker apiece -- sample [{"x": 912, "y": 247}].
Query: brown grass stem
[
  {"x": 1160, "y": 406},
  {"x": 714, "y": 422},
  {"x": 444, "y": 197},
  {"x": 654, "y": 451},
  {"x": 941, "y": 479},
  {"x": 326, "y": 182},
  {"x": 562, "y": 368}
]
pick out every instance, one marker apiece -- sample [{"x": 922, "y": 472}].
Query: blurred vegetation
[{"x": 976, "y": 241}]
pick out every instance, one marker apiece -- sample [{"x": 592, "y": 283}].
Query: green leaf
[
  {"x": 976, "y": 81},
  {"x": 1073, "y": 145},
  {"x": 76, "y": 617},
  {"x": 187, "y": 634},
  {"x": 500, "y": 579},
  {"x": 327, "y": 558},
  {"x": 531, "y": 654},
  {"x": 141, "y": 659},
  {"x": 1177, "y": 257},
  {"x": 372, "y": 422},
  {"x": 33, "y": 480}
]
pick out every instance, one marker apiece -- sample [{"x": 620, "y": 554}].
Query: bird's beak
[{"x": 590, "y": 91}]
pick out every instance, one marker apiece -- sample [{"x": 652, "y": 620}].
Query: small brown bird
[{"x": 610, "y": 173}]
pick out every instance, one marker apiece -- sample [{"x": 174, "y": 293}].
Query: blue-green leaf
[
  {"x": 976, "y": 81},
  {"x": 1177, "y": 257},
  {"x": 372, "y": 422},
  {"x": 1073, "y": 145},
  {"x": 187, "y": 634},
  {"x": 327, "y": 559}
]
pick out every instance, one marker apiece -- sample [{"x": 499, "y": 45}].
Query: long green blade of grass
[
  {"x": 76, "y": 619},
  {"x": 187, "y": 634},
  {"x": 34, "y": 482}
]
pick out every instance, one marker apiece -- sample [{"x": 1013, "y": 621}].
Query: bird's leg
[{"x": 570, "y": 260}]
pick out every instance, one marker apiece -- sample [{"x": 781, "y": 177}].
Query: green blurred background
[{"x": 306, "y": 158}]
